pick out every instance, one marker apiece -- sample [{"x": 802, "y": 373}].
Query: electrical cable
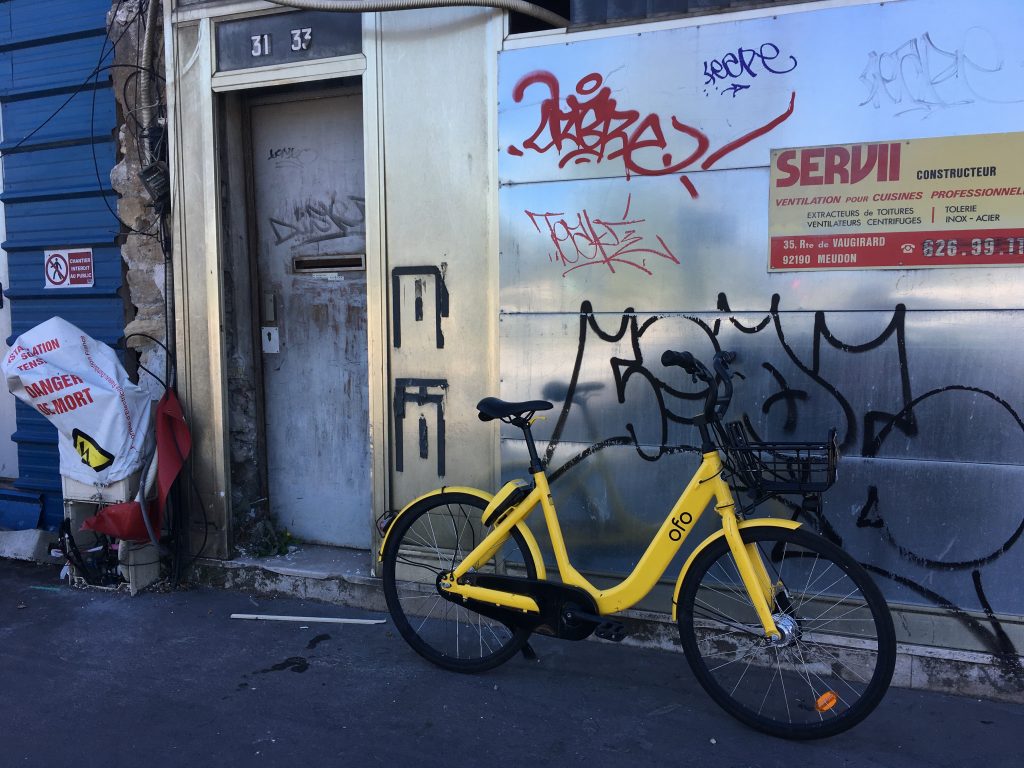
[
  {"x": 167, "y": 357},
  {"x": 92, "y": 113},
  {"x": 154, "y": 339},
  {"x": 134, "y": 127}
]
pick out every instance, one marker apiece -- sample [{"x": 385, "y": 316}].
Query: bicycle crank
[{"x": 604, "y": 628}]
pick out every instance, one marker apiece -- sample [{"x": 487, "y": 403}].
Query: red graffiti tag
[
  {"x": 584, "y": 241},
  {"x": 594, "y": 128}
]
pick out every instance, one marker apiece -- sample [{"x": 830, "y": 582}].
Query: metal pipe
[
  {"x": 145, "y": 89},
  {"x": 146, "y": 479},
  {"x": 516, "y": 6}
]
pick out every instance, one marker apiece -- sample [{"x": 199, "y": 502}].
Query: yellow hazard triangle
[{"x": 90, "y": 451}]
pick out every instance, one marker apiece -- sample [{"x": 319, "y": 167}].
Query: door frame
[{"x": 198, "y": 276}]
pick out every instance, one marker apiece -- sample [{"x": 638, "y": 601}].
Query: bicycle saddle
[{"x": 493, "y": 408}]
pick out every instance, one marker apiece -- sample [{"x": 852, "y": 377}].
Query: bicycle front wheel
[
  {"x": 431, "y": 539},
  {"x": 836, "y": 655}
]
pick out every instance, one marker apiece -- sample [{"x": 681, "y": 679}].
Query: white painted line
[{"x": 310, "y": 619}]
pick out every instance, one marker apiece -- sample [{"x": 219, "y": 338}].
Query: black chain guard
[{"x": 552, "y": 598}]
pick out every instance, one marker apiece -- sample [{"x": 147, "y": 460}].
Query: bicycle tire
[
  {"x": 838, "y": 652},
  {"x": 432, "y": 538}
]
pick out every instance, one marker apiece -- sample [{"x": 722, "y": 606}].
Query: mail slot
[{"x": 329, "y": 263}]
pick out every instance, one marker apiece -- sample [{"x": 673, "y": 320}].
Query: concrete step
[
  {"x": 345, "y": 577},
  {"x": 31, "y": 544}
]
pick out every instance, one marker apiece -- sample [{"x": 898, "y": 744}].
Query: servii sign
[{"x": 947, "y": 202}]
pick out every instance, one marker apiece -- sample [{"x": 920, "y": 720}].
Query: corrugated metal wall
[
  {"x": 58, "y": 149},
  {"x": 911, "y": 365}
]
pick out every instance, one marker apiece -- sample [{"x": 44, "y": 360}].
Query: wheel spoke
[
  {"x": 416, "y": 564},
  {"x": 775, "y": 673},
  {"x": 750, "y": 655},
  {"x": 426, "y": 544},
  {"x": 742, "y": 674},
  {"x": 713, "y": 613},
  {"x": 832, "y": 657},
  {"x": 806, "y": 675},
  {"x": 782, "y": 682},
  {"x": 430, "y": 613},
  {"x": 842, "y": 599}
]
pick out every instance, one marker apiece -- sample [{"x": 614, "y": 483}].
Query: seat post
[{"x": 535, "y": 463}]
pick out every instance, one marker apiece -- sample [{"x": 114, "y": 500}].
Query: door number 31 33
[{"x": 301, "y": 40}]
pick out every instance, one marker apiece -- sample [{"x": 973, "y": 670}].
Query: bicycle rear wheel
[
  {"x": 431, "y": 539},
  {"x": 836, "y": 656}
]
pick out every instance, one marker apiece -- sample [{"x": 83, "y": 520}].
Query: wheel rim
[
  {"x": 833, "y": 660},
  {"x": 428, "y": 547}
]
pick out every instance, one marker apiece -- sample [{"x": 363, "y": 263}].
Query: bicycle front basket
[{"x": 782, "y": 467}]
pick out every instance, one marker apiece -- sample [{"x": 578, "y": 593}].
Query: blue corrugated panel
[
  {"x": 33, "y": 72},
  {"x": 60, "y": 222},
  {"x": 57, "y": 195},
  {"x": 84, "y": 109},
  {"x": 28, "y": 22},
  {"x": 101, "y": 318},
  {"x": 21, "y": 510},
  {"x": 61, "y": 168}
]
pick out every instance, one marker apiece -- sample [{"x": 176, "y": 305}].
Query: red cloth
[{"x": 173, "y": 444}]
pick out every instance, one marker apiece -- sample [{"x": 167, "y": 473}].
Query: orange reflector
[{"x": 826, "y": 701}]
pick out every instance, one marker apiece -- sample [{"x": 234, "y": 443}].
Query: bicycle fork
[{"x": 751, "y": 569}]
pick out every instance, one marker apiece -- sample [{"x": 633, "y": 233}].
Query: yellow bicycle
[{"x": 783, "y": 629}]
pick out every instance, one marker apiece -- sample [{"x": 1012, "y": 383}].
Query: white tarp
[{"x": 102, "y": 418}]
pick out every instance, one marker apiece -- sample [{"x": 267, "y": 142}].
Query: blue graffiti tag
[{"x": 746, "y": 62}]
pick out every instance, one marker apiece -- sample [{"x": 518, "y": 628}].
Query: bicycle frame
[{"x": 706, "y": 486}]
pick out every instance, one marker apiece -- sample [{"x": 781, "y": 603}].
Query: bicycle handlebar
[{"x": 715, "y": 406}]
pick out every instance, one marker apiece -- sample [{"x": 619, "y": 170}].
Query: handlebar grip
[
  {"x": 684, "y": 359},
  {"x": 715, "y": 404}
]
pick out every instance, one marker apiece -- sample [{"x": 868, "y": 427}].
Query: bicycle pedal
[{"x": 611, "y": 630}]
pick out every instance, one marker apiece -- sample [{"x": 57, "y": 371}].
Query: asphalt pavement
[{"x": 95, "y": 678}]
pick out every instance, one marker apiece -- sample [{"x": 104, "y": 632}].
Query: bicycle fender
[
  {"x": 760, "y": 523},
  {"x": 482, "y": 495},
  {"x": 527, "y": 534}
]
